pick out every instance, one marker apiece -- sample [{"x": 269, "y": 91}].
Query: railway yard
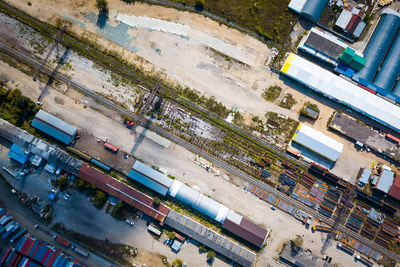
[{"x": 208, "y": 155}]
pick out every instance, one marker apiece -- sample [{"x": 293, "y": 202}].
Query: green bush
[
  {"x": 199, "y": 5},
  {"x": 272, "y": 93},
  {"x": 99, "y": 198},
  {"x": 63, "y": 183},
  {"x": 102, "y": 5},
  {"x": 210, "y": 255},
  {"x": 156, "y": 201}
]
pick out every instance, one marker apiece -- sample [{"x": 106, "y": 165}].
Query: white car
[
  {"x": 67, "y": 196},
  {"x": 130, "y": 222}
]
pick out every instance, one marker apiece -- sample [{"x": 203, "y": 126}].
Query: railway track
[{"x": 196, "y": 150}]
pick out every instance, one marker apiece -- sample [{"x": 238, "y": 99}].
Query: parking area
[{"x": 80, "y": 215}]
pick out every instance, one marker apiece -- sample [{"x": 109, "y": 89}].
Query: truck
[
  {"x": 61, "y": 240},
  {"x": 321, "y": 228},
  {"x": 5, "y": 219},
  {"x": 81, "y": 252},
  {"x": 345, "y": 249},
  {"x": 6, "y": 226},
  {"x": 18, "y": 235}
]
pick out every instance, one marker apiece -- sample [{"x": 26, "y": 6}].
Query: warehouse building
[
  {"x": 123, "y": 192},
  {"x": 232, "y": 222},
  {"x": 309, "y": 9},
  {"x": 211, "y": 239},
  {"x": 317, "y": 142},
  {"x": 149, "y": 177},
  {"x": 395, "y": 189},
  {"x": 383, "y": 53},
  {"x": 385, "y": 181},
  {"x": 342, "y": 91},
  {"x": 53, "y": 126}
]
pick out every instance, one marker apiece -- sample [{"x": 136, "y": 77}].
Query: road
[
  {"x": 205, "y": 155},
  {"x": 28, "y": 219}
]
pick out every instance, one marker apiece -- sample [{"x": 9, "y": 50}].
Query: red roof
[
  {"x": 353, "y": 23},
  {"x": 123, "y": 192},
  {"x": 395, "y": 189},
  {"x": 247, "y": 230},
  {"x": 393, "y": 138}
]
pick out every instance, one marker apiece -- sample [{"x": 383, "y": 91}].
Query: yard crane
[
  {"x": 346, "y": 203},
  {"x": 147, "y": 104}
]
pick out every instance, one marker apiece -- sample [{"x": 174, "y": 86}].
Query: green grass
[
  {"x": 272, "y": 93},
  {"x": 271, "y": 19}
]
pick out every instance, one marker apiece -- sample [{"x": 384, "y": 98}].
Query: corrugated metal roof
[
  {"x": 318, "y": 142},
  {"x": 198, "y": 201},
  {"x": 312, "y": 10},
  {"x": 344, "y": 19},
  {"x": 321, "y": 42},
  {"x": 124, "y": 192},
  {"x": 390, "y": 70},
  {"x": 395, "y": 189},
  {"x": 211, "y": 239},
  {"x": 353, "y": 23},
  {"x": 297, "y": 5},
  {"x": 247, "y": 230},
  {"x": 54, "y": 127},
  {"x": 340, "y": 90},
  {"x": 365, "y": 176},
  {"x": 18, "y": 154},
  {"x": 152, "y": 173},
  {"x": 378, "y": 45},
  {"x": 146, "y": 181},
  {"x": 359, "y": 29},
  {"x": 386, "y": 181}
]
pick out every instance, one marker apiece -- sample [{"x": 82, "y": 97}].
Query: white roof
[
  {"x": 344, "y": 19},
  {"x": 386, "y": 181},
  {"x": 318, "y": 142},
  {"x": 343, "y": 91},
  {"x": 297, "y": 5}
]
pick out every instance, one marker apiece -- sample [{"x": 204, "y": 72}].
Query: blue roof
[
  {"x": 365, "y": 176},
  {"x": 100, "y": 164},
  {"x": 312, "y": 9},
  {"x": 52, "y": 196},
  {"x": 149, "y": 177},
  {"x": 18, "y": 154},
  {"x": 54, "y": 127},
  {"x": 386, "y": 181}
]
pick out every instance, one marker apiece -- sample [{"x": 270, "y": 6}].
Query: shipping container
[
  {"x": 18, "y": 235},
  {"x": 62, "y": 241},
  {"x": 110, "y": 147},
  {"x": 100, "y": 164}
]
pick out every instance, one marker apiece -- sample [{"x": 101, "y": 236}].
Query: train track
[{"x": 196, "y": 150}]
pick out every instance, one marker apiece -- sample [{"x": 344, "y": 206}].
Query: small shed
[
  {"x": 364, "y": 177},
  {"x": 385, "y": 181}
]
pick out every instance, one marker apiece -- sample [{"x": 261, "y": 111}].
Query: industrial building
[
  {"x": 210, "y": 238},
  {"x": 385, "y": 181},
  {"x": 363, "y": 177},
  {"x": 230, "y": 221},
  {"x": 53, "y": 126},
  {"x": 382, "y": 56},
  {"x": 123, "y": 192},
  {"x": 395, "y": 189},
  {"x": 350, "y": 21},
  {"x": 150, "y": 178},
  {"x": 18, "y": 154},
  {"x": 309, "y": 9},
  {"x": 342, "y": 91},
  {"x": 317, "y": 142}
]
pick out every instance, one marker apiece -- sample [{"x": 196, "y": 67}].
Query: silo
[
  {"x": 378, "y": 45},
  {"x": 312, "y": 9},
  {"x": 390, "y": 69}
]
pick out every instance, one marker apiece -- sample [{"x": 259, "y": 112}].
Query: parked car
[
  {"x": 273, "y": 208},
  {"x": 67, "y": 195},
  {"x": 165, "y": 241},
  {"x": 130, "y": 222}
]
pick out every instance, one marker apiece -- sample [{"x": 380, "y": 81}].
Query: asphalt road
[{"x": 207, "y": 156}]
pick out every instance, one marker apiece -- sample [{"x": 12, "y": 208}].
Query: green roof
[
  {"x": 347, "y": 55},
  {"x": 357, "y": 63}
]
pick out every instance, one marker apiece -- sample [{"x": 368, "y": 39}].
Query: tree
[
  {"x": 199, "y": 5},
  {"x": 297, "y": 243},
  {"x": 177, "y": 263},
  {"x": 210, "y": 255},
  {"x": 102, "y": 5},
  {"x": 63, "y": 183},
  {"x": 99, "y": 198},
  {"x": 171, "y": 235},
  {"x": 117, "y": 210},
  {"x": 156, "y": 201}
]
